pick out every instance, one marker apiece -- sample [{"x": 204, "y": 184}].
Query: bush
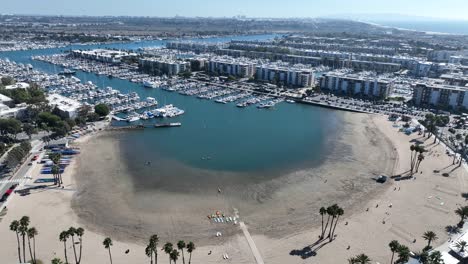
[{"x": 101, "y": 109}]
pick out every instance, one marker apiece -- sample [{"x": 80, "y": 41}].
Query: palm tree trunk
[
  {"x": 151, "y": 257},
  {"x": 34, "y": 248},
  {"x": 24, "y": 249},
  {"x": 81, "y": 247},
  {"x": 333, "y": 233},
  {"x": 30, "y": 250},
  {"x": 183, "y": 258},
  {"x": 19, "y": 247},
  {"x": 331, "y": 225},
  {"x": 65, "y": 249},
  {"x": 326, "y": 226},
  {"x": 74, "y": 250},
  {"x": 322, "y": 227},
  {"x": 156, "y": 256},
  {"x": 190, "y": 258},
  {"x": 110, "y": 256},
  {"x": 393, "y": 254}
]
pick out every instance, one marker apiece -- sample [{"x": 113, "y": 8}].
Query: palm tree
[
  {"x": 461, "y": 245},
  {"x": 333, "y": 212},
  {"x": 190, "y": 249},
  {"x": 149, "y": 253},
  {"x": 154, "y": 239},
  {"x": 55, "y": 172},
  {"x": 32, "y": 233},
  {"x": 462, "y": 212},
  {"x": 58, "y": 261},
  {"x": 23, "y": 229},
  {"x": 168, "y": 249},
  {"x": 430, "y": 236},
  {"x": 362, "y": 259},
  {"x": 394, "y": 245},
  {"x": 328, "y": 212},
  {"x": 72, "y": 232},
  {"x": 63, "y": 237},
  {"x": 80, "y": 233},
  {"x": 339, "y": 212},
  {"x": 181, "y": 245},
  {"x": 352, "y": 260},
  {"x": 436, "y": 258},
  {"x": 420, "y": 159},
  {"x": 14, "y": 226},
  {"x": 107, "y": 244},
  {"x": 322, "y": 211},
  {"x": 174, "y": 255},
  {"x": 403, "y": 254}
]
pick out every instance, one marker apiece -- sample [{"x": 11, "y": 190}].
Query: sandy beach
[{"x": 281, "y": 214}]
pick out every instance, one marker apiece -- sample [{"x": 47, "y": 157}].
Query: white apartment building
[
  {"x": 225, "y": 65},
  {"x": 296, "y": 75},
  {"x": 440, "y": 95},
  {"x": 353, "y": 84},
  {"x": 160, "y": 66}
]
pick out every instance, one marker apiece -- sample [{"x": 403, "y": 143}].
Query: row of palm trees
[
  {"x": 65, "y": 235},
  {"x": 25, "y": 233},
  {"x": 463, "y": 213},
  {"x": 334, "y": 212},
  {"x": 22, "y": 229},
  {"x": 402, "y": 253}
]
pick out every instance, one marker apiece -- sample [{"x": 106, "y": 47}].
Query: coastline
[
  {"x": 264, "y": 205},
  {"x": 412, "y": 213}
]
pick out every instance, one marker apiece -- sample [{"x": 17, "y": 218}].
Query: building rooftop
[{"x": 63, "y": 103}]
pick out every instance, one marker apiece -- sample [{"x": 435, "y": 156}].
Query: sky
[{"x": 447, "y": 9}]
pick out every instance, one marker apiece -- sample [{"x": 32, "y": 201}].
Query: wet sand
[{"x": 108, "y": 199}]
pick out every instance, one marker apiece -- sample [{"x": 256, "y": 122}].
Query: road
[{"x": 20, "y": 176}]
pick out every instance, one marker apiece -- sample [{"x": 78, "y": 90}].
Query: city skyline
[{"x": 450, "y": 9}]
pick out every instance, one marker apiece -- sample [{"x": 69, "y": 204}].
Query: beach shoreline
[{"x": 291, "y": 223}]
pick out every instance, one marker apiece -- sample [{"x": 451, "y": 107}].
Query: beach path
[{"x": 252, "y": 245}]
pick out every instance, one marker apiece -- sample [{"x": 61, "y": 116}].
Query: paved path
[{"x": 252, "y": 245}]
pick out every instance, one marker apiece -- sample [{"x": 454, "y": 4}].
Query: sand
[{"x": 99, "y": 196}]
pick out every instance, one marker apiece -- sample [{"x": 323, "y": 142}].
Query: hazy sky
[{"x": 452, "y": 9}]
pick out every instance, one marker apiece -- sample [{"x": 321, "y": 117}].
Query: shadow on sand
[{"x": 311, "y": 250}]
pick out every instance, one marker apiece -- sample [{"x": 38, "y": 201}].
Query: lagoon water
[{"x": 214, "y": 138}]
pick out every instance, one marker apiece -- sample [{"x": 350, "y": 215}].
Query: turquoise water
[
  {"x": 451, "y": 27},
  {"x": 259, "y": 143}
]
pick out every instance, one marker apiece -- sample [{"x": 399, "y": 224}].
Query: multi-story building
[
  {"x": 103, "y": 55},
  {"x": 224, "y": 65},
  {"x": 161, "y": 66},
  {"x": 197, "y": 47},
  {"x": 353, "y": 84},
  {"x": 296, "y": 75},
  {"x": 440, "y": 95}
]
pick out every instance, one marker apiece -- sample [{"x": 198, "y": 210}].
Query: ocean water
[
  {"x": 215, "y": 140},
  {"x": 450, "y": 27}
]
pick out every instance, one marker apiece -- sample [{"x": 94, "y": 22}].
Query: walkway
[{"x": 252, "y": 245}]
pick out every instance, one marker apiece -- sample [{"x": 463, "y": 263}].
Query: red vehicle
[
  {"x": 35, "y": 157},
  {"x": 8, "y": 192}
]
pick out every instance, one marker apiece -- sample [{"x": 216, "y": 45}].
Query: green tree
[
  {"x": 394, "y": 246},
  {"x": 403, "y": 254},
  {"x": 58, "y": 261},
  {"x": 362, "y": 259},
  {"x": 430, "y": 236},
  {"x": 101, "y": 109},
  {"x": 190, "y": 248},
  {"x": 14, "y": 226},
  {"x": 80, "y": 233},
  {"x": 322, "y": 212},
  {"x": 181, "y": 245},
  {"x": 174, "y": 255},
  {"x": 339, "y": 212},
  {"x": 72, "y": 233},
  {"x": 107, "y": 244},
  {"x": 168, "y": 249},
  {"x": 63, "y": 238},
  {"x": 29, "y": 129},
  {"x": 23, "y": 229},
  {"x": 32, "y": 233},
  {"x": 463, "y": 213}
]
